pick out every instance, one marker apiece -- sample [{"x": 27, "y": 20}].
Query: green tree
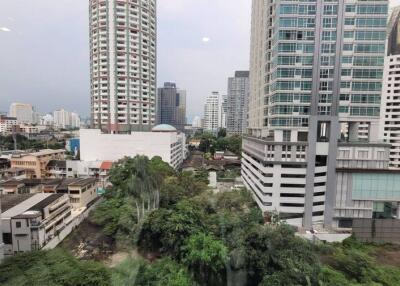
[
  {"x": 166, "y": 231},
  {"x": 165, "y": 272},
  {"x": 275, "y": 252},
  {"x": 206, "y": 257}
]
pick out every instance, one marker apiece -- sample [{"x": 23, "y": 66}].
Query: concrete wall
[
  {"x": 96, "y": 146},
  {"x": 377, "y": 230}
]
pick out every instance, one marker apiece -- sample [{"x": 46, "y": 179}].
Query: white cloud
[
  {"x": 205, "y": 39},
  {"x": 5, "y": 29}
]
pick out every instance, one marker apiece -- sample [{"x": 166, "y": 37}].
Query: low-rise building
[
  {"x": 56, "y": 169},
  {"x": 37, "y": 161},
  {"x": 30, "y": 221},
  {"x": 164, "y": 141},
  {"x": 7, "y": 125},
  {"x": 82, "y": 192}
]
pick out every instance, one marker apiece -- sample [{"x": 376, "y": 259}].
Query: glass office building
[{"x": 315, "y": 77}]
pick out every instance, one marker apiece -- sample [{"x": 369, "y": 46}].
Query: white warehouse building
[{"x": 164, "y": 141}]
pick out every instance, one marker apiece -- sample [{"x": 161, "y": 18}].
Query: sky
[{"x": 44, "y": 50}]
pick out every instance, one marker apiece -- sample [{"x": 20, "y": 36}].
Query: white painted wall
[{"x": 97, "y": 146}]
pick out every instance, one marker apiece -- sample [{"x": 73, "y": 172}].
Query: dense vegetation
[
  {"x": 188, "y": 235},
  {"x": 210, "y": 143},
  {"x": 52, "y": 268},
  {"x": 7, "y": 143}
]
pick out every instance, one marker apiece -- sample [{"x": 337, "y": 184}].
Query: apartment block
[
  {"x": 8, "y": 125},
  {"x": 123, "y": 65},
  {"x": 36, "y": 162},
  {"x": 212, "y": 112}
]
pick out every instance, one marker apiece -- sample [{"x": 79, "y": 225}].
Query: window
[
  {"x": 346, "y": 72},
  {"x": 18, "y": 224},
  {"x": 350, "y": 8},
  {"x": 362, "y": 155},
  {"x": 348, "y": 47},
  {"x": 349, "y": 21},
  {"x": 286, "y": 135}
]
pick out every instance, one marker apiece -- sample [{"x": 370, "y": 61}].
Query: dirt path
[{"x": 120, "y": 256}]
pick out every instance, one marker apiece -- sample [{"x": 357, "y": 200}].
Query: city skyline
[{"x": 194, "y": 52}]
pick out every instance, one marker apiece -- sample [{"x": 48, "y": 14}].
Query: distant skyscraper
[
  {"x": 24, "y": 113},
  {"x": 171, "y": 108},
  {"x": 223, "y": 115},
  {"x": 315, "y": 66},
  {"x": 196, "y": 123},
  {"x": 238, "y": 90},
  {"x": 212, "y": 112},
  {"x": 65, "y": 119},
  {"x": 123, "y": 65},
  {"x": 390, "y": 118}
]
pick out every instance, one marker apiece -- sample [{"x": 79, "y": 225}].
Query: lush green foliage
[
  {"x": 52, "y": 268},
  {"x": 209, "y": 143},
  {"x": 7, "y": 143},
  {"x": 163, "y": 272},
  {"x": 352, "y": 263}
]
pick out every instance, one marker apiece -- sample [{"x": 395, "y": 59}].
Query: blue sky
[{"x": 44, "y": 56}]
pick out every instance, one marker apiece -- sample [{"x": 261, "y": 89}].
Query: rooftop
[
  {"x": 106, "y": 165},
  {"x": 164, "y": 128},
  {"x": 9, "y": 201},
  {"x": 61, "y": 164}
]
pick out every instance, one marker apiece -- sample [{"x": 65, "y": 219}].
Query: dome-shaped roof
[{"x": 164, "y": 128}]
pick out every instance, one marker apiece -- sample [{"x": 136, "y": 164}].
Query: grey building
[
  {"x": 390, "y": 110},
  {"x": 238, "y": 90},
  {"x": 171, "y": 108},
  {"x": 394, "y": 33},
  {"x": 315, "y": 75}
]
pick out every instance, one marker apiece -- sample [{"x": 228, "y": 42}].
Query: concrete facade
[
  {"x": 315, "y": 67},
  {"x": 390, "y": 105},
  {"x": 28, "y": 222},
  {"x": 212, "y": 112},
  {"x": 237, "y": 104},
  {"x": 123, "y": 37},
  {"x": 168, "y": 144}
]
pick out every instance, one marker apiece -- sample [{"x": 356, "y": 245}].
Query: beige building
[
  {"x": 30, "y": 221},
  {"x": 37, "y": 162},
  {"x": 82, "y": 192}
]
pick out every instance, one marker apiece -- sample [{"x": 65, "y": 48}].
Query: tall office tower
[
  {"x": 24, "y": 113},
  {"x": 212, "y": 112},
  {"x": 316, "y": 70},
  {"x": 390, "y": 118},
  {"x": 123, "y": 65},
  {"x": 238, "y": 90},
  {"x": 171, "y": 107}
]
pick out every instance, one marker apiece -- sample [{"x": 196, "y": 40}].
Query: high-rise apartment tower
[
  {"x": 123, "y": 64},
  {"x": 315, "y": 75}
]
